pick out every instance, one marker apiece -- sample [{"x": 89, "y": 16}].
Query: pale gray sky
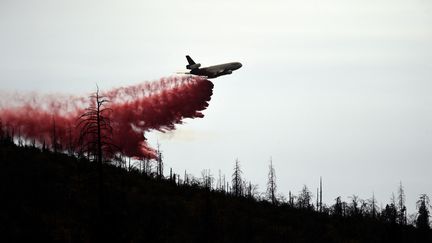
[{"x": 333, "y": 88}]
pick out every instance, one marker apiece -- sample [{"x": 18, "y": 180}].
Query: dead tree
[
  {"x": 271, "y": 184},
  {"x": 219, "y": 182},
  {"x": 402, "y": 217},
  {"x": 207, "y": 179},
  {"x": 159, "y": 164},
  {"x": 373, "y": 206},
  {"x": 291, "y": 199},
  {"x": 146, "y": 166},
  {"x": 320, "y": 195},
  {"x": 304, "y": 198},
  {"x": 95, "y": 129},
  {"x": 96, "y": 136},
  {"x": 237, "y": 180}
]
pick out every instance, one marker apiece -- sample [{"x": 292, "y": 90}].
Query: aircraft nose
[{"x": 239, "y": 65}]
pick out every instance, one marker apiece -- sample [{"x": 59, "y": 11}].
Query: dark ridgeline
[{"x": 48, "y": 196}]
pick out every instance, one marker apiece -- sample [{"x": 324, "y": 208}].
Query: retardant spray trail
[{"x": 135, "y": 109}]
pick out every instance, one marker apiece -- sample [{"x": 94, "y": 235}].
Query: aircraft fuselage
[{"x": 212, "y": 71}]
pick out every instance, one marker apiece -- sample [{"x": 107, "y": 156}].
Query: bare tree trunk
[{"x": 271, "y": 183}]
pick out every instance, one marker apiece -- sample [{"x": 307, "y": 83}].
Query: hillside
[{"x": 55, "y": 197}]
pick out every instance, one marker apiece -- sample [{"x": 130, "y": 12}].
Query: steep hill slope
[{"x": 54, "y": 197}]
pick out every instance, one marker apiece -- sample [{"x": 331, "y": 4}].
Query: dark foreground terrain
[{"x": 48, "y": 197}]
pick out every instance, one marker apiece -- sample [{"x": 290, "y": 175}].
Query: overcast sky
[{"x": 331, "y": 88}]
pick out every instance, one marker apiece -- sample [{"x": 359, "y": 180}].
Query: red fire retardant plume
[{"x": 158, "y": 105}]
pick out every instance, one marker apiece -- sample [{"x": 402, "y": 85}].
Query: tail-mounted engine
[{"x": 193, "y": 66}]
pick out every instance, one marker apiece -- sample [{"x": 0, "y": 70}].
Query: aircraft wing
[{"x": 225, "y": 70}]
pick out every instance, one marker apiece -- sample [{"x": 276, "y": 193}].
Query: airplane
[{"x": 212, "y": 71}]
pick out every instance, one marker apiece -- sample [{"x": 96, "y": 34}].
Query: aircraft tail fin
[
  {"x": 192, "y": 64},
  {"x": 190, "y": 61}
]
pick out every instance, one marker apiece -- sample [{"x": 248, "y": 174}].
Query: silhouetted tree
[
  {"x": 159, "y": 162},
  {"x": 372, "y": 206},
  {"x": 320, "y": 196},
  {"x": 96, "y": 130},
  {"x": 390, "y": 213},
  {"x": 185, "y": 178},
  {"x": 225, "y": 184},
  {"x": 271, "y": 184},
  {"x": 337, "y": 207},
  {"x": 237, "y": 189},
  {"x": 364, "y": 207},
  {"x": 354, "y": 209},
  {"x": 304, "y": 198},
  {"x": 422, "y": 221},
  {"x": 252, "y": 190},
  {"x": 146, "y": 166},
  {"x": 219, "y": 182},
  {"x": 402, "y": 217},
  {"x": 291, "y": 199},
  {"x": 243, "y": 188},
  {"x": 207, "y": 179},
  {"x": 96, "y": 137}
]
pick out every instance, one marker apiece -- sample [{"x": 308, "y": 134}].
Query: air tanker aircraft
[{"x": 212, "y": 71}]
